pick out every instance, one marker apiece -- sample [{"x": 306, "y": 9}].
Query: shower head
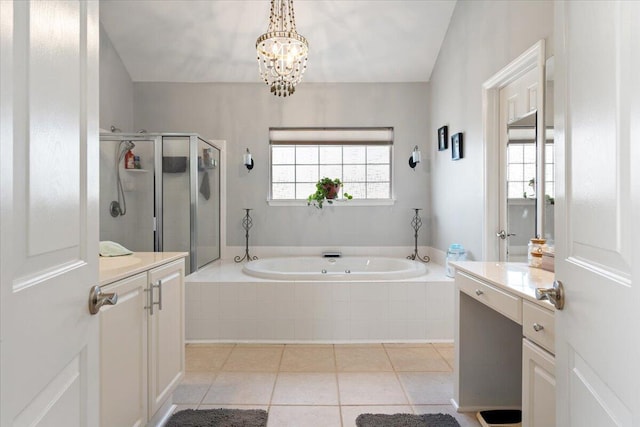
[{"x": 129, "y": 145}]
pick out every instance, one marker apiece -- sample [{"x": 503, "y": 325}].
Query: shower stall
[{"x": 162, "y": 192}]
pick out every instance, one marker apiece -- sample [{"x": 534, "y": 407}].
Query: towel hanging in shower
[{"x": 204, "y": 186}]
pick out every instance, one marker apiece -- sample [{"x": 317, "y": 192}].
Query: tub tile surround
[
  {"x": 323, "y": 391},
  {"x": 226, "y": 305}
]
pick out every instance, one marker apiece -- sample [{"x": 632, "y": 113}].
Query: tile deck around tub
[{"x": 320, "y": 385}]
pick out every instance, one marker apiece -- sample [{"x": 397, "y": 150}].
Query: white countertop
[
  {"x": 515, "y": 277},
  {"x": 115, "y": 268}
]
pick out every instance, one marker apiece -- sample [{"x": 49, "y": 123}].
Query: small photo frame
[
  {"x": 442, "y": 138},
  {"x": 456, "y": 146}
]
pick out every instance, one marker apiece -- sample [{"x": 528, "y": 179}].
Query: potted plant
[{"x": 326, "y": 189}]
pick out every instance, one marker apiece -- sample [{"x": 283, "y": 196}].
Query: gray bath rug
[
  {"x": 219, "y": 418},
  {"x": 406, "y": 420}
]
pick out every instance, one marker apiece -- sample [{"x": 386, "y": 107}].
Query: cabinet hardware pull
[
  {"x": 479, "y": 292},
  {"x": 158, "y": 285},
  {"x": 537, "y": 327}
]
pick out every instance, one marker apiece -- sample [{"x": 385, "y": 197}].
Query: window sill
[{"x": 337, "y": 202}]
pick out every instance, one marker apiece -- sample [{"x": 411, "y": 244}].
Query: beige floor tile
[
  {"x": 416, "y": 359},
  {"x": 241, "y": 388},
  {"x": 448, "y": 354},
  {"x": 254, "y": 359},
  {"x": 304, "y": 416},
  {"x": 407, "y": 345},
  {"x": 308, "y": 359},
  {"x": 350, "y": 413},
  {"x": 466, "y": 419},
  {"x": 427, "y": 388},
  {"x": 198, "y": 377},
  {"x": 440, "y": 345},
  {"x": 190, "y": 394},
  {"x": 207, "y": 358},
  {"x": 305, "y": 389},
  {"x": 379, "y": 388},
  {"x": 362, "y": 359}
]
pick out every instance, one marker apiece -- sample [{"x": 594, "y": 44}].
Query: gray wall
[
  {"x": 482, "y": 38},
  {"x": 116, "y": 88},
  {"x": 242, "y": 113}
]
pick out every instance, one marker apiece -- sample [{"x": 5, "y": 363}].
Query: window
[
  {"x": 521, "y": 170},
  {"x": 359, "y": 157}
]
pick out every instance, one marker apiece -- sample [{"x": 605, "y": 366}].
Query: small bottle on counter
[
  {"x": 534, "y": 253},
  {"x": 455, "y": 252},
  {"x": 136, "y": 162}
]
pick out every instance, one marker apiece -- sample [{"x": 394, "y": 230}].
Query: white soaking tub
[
  {"x": 376, "y": 302},
  {"x": 335, "y": 269}
]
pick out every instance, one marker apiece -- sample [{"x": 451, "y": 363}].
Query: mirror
[
  {"x": 530, "y": 204},
  {"x": 549, "y": 156},
  {"x": 521, "y": 185}
]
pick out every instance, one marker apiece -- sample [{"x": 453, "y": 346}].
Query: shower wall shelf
[{"x": 137, "y": 170}]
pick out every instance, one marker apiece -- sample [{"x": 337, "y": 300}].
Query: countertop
[
  {"x": 115, "y": 268},
  {"x": 515, "y": 277}
]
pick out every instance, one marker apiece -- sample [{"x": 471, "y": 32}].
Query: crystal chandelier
[{"x": 282, "y": 52}]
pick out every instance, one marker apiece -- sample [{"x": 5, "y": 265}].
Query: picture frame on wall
[
  {"x": 442, "y": 138},
  {"x": 456, "y": 146}
]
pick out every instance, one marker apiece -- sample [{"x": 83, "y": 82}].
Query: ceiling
[{"x": 214, "y": 41}]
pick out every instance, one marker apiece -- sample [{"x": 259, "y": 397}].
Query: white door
[
  {"x": 48, "y": 213},
  {"x": 598, "y": 207}
]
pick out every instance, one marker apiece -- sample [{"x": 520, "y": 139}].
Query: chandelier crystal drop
[{"x": 282, "y": 52}]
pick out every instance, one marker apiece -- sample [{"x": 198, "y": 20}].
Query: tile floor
[{"x": 320, "y": 385}]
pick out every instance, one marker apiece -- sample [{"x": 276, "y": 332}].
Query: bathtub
[
  {"x": 373, "y": 303},
  {"x": 335, "y": 269}
]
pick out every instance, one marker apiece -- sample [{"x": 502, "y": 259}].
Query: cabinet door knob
[
  {"x": 479, "y": 292},
  {"x": 537, "y": 327}
]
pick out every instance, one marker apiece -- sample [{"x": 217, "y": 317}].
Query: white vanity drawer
[
  {"x": 505, "y": 303},
  {"x": 538, "y": 324}
]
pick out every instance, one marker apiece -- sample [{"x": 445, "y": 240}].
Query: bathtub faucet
[{"x": 331, "y": 254}]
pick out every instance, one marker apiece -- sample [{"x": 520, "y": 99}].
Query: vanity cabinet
[
  {"x": 538, "y": 367},
  {"x": 166, "y": 333},
  {"x": 123, "y": 354},
  {"x": 504, "y": 341},
  {"x": 142, "y": 345}
]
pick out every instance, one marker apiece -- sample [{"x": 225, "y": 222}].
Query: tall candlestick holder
[
  {"x": 247, "y": 223},
  {"x": 416, "y": 223}
]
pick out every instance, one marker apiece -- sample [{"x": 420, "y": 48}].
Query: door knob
[
  {"x": 97, "y": 299},
  {"x": 555, "y": 294},
  {"x": 503, "y": 234}
]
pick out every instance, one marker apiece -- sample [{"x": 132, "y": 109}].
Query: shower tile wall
[{"x": 135, "y": 229}]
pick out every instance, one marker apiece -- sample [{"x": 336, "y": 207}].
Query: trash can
[{"x": 500, "y": 418}]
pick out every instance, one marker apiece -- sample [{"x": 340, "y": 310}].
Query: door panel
[
  {"x": 597, "y": 115},
  {"x": 49, "y": 240}
]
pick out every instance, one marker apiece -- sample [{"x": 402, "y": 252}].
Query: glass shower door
[
  {"x": 208, "y": 205},
  {"x": 176, "y": 200}
]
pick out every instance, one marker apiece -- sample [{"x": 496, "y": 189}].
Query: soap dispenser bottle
[{"x": 129, "y": 160}]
